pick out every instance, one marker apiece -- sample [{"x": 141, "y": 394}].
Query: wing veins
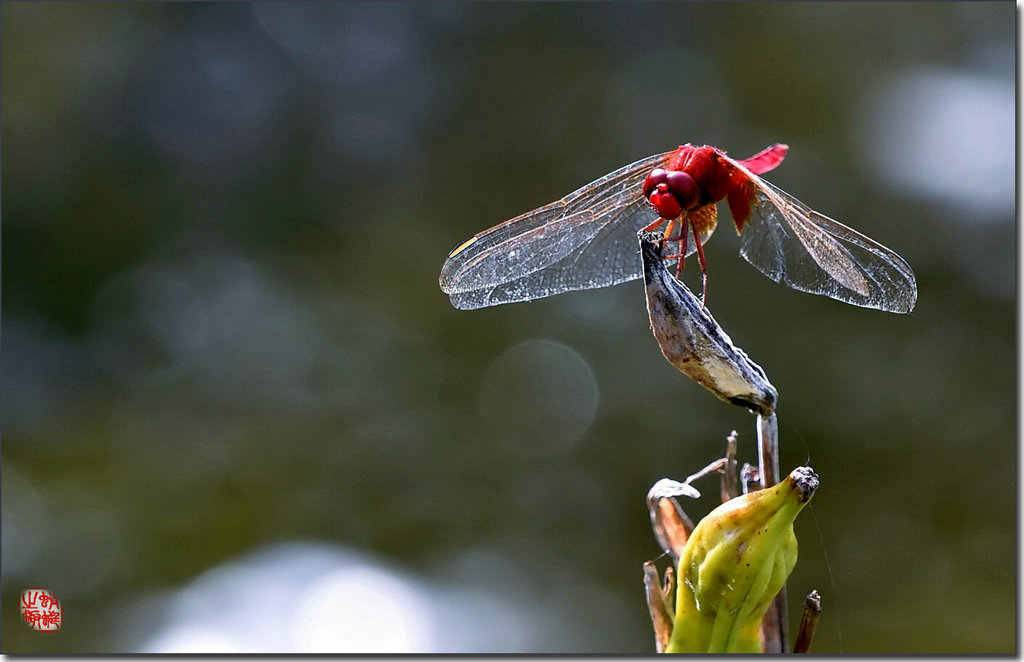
[
  {"x": 467, "y": 267},
  {"x": 871, "y": 274}
]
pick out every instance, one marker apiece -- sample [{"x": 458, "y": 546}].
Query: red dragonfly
[{"x": 588, "y": 238}]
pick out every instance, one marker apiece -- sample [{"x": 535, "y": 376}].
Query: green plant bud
[{"x": 734, "y": 563}]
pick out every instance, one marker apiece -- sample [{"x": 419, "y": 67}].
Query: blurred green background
[{"x": 239, "y": 414}]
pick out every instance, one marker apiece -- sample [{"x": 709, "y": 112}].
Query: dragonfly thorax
[{"x": 670, "y": 192}]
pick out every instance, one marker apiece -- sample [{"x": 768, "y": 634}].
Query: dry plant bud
[{"x": 692, "y": 340}]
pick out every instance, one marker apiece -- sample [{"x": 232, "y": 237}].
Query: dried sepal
[
  {"x": 808, "y": 622},
  {"x": 669, "y": 522},
  {"x": 749, "y": 476},
  {"x": 730, "y": 488},
  {"x": 659, "y": 603}
]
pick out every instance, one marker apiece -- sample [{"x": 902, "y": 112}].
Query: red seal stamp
[{"x": 40, "y": 609}]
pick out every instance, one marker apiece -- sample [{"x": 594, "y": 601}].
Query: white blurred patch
[
  {"x": 308, "y": 597},
  {"x": 363, "y": 609},
  {"x": 539, "y": 398},
  {"x": 943, "y": 134}
]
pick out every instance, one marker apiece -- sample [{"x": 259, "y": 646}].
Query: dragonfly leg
[
  {"x": 703, "y": 267},
  {"x": 667, "y": 237},
  {"x": 683, "y": 246},
  {"x": 654, "y": 226}
]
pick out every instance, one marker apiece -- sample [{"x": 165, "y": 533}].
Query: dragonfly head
[{"x": 670, "y": 192}]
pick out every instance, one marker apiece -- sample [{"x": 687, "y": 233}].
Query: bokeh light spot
[{"x": 538, "y": 398}]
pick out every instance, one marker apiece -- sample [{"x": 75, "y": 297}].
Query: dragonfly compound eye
[
  {"x": 657, "y": 176},
  {"x": 683, "y": 187},
  {"x": 664, "y": 202}
]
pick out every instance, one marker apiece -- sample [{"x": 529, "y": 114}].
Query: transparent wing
[
  {"x": 792, "y": 244},
  {"x": 583, "y": 241}
]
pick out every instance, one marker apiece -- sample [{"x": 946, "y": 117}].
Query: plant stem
[{"x": 774, "y": 630}]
